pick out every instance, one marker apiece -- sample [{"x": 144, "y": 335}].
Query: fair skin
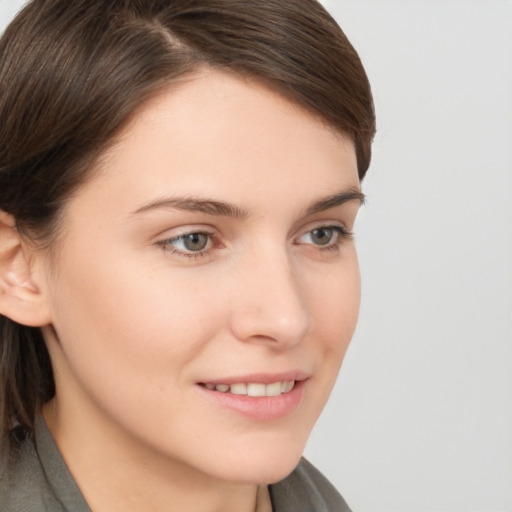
[{"x": 146, "y": 327}]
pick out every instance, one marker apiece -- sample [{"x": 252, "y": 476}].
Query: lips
[
  {"x": 256, "y": 389},
  {"x": 260, "y": 397}
]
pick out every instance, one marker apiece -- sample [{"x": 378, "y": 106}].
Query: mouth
[
  {"x": 259, "y": 397},
  {"x": 254, "y": 389}
]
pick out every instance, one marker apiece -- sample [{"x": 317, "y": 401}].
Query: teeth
[
  {"x": 254, "y": 388},
  {"x": 239, "y": 389},
  {"x": 287, "y": 386},
  {"x": 273, "y": 389}
]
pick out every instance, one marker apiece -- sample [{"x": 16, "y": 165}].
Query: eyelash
[
  {"x": 167, "y": 244},
  {"x": 341, "y": 233}
]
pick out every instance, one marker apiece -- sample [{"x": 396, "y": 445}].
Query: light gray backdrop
[{"x": 421, "y": 418}]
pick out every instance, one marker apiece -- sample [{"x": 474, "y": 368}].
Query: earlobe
[{"x": 22, "y": 299}]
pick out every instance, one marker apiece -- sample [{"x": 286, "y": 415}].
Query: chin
[
  {"x": 262, "y": 464},
  {"x": 277, "y": 471}
]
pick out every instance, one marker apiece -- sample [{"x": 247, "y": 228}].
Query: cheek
[
  {"x": 116, "y": 322},
  {"x": 335, "y": 308}
]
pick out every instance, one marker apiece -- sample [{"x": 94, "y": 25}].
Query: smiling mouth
[{"x": 256, "y": 389}]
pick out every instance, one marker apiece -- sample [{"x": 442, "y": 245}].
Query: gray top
[{"x": 39, "y": 481}]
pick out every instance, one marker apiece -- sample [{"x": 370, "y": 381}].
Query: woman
[{"x": 178, "y": 280}]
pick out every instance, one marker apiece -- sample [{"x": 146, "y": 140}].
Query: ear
[{"x": 22, "y": 296}]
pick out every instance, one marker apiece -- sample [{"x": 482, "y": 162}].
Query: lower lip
[{"x": 260, "y": 408}]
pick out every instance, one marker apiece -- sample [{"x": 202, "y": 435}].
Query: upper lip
[{"x": 264, "y": 378}]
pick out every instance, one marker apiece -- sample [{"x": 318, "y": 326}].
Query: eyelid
[
  {"x": 343, "y": 234},
  {"x": 327, "y": 224},
  {"x": 165, "y": 242}
]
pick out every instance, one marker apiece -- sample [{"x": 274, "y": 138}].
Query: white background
[{"x": 421, "y": 418}]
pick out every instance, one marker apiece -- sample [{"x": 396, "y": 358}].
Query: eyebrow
[
  {"x": 193, "y": 204},
  {"x": 224, "y": 209},
  {"x": 337, "y": 199}
]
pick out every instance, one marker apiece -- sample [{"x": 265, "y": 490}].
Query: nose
[{"x": 269, "y": 305}]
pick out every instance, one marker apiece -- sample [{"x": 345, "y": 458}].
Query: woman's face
[{"x": 208, "y": 260}]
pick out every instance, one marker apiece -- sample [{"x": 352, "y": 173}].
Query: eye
[
  {"x": 189, "y": 244},
  {"x": 322, "y": 236},
  {"x": 194, "y": 241},
  {"x": 325, "y": 237}
]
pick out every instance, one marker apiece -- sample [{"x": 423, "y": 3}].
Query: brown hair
[{"x": 71, "y": 74}]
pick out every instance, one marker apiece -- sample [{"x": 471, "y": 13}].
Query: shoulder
[
  {"x": 23, "y": 483},
  {"x": 306, "y": 490}
]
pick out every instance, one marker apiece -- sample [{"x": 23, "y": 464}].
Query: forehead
[{"x": 215, "y": 130}]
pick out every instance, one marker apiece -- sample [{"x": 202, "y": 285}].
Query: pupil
[
  {"x": 322, "y": 236},
  {"x": 196, "y": 241}
]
